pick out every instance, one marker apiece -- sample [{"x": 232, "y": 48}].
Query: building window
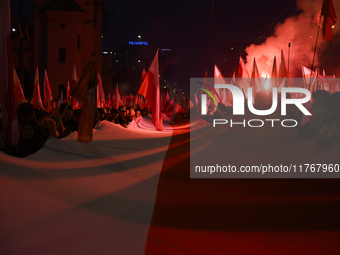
[
  {"x": 78, "y": 42},
  {"x": 62, "y": 55}
]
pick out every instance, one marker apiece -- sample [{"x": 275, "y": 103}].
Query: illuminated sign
[{"x": 138, "y": 43}]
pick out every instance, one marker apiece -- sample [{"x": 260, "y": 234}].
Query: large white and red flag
[
  {"x": 19, "y": 94},
  {"x": 151, "y": 91},
  {"x": 47, "y": 93},
  {"x": 7, "y": 94},
  {"x": 36, "y": 99}
]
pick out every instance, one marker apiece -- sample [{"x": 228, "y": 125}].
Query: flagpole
[
  {"x": 288, "y": 58},
  {"x": 316, "y": 43}
]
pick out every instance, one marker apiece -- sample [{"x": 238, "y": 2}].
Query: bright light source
[
  {"x": 266, "y": 85},
  {"x": 102, "y": 36},
  {"x": 13, "y": 29},
  {"x": 264, "y": 75},
  {"x": 231, "y": 48},
  {"x": 333, "y": 26},
  {"x": 117, "y": 60},
  {"x": 138, "y": 60},
  {"x": 139, "y": 36}
]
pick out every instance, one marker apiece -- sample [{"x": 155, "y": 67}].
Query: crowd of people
[{"x": 36, "y": 125}]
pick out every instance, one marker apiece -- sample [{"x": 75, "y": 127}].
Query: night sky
[{"x": 185, "y": 27}]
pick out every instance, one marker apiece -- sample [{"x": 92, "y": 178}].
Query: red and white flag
[
  {"x": 117, "y": 98},
  {"x": 151, "y": 91},
  {"x": 36, "y": 100},
  {"x": 255, "y": 81},
  {"x": 74, "y": 81},
  {"x": 242, "y": 69},
  {"x": 47, "y": 93},
  {"x": 19, "y": 94},
  {"x": 143, "y": 75},
  {"x": 100, "y": 93},
  {"x": 273, "y": 77},
  {"x": 68, "y": 89},
  {"x": 244, "y": 77},
  {"x": 177, "y": 113},
  {"x": 325, "y": 19},
  {"x": 171, "y": 106},
  {"x": 282, "y": 74},
  {"x": 218, "y": 79},
  {"x": 7, "y": 94}
]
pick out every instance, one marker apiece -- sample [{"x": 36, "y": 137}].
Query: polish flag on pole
[
  {"x": 143, "y": 75},
  {"x": 7, "y": 93},
  {"x": 47, "y": 93},
  {"x": 219, "y": 79},
  {"x": 19, "y": 94},
  {"x": 100, "y": 93},
  {"x": 244, "y": 77},
  {"x": 282, "y": 74},
  {"x": 177, "y": 113},
  {"x": 255, "y": 81},
  {"x": 117, "y": 97},
  {"x": 273, "y": 78},
  {"x": 68, "y": 89},
  {"x": 151, "y": 91},
  {"x": 36, "y": 100}
]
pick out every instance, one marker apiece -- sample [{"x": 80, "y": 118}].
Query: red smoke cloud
[{"x": 301, "y": 33}]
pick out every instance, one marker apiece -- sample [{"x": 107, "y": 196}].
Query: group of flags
[{"x": 89, "y": 87}]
